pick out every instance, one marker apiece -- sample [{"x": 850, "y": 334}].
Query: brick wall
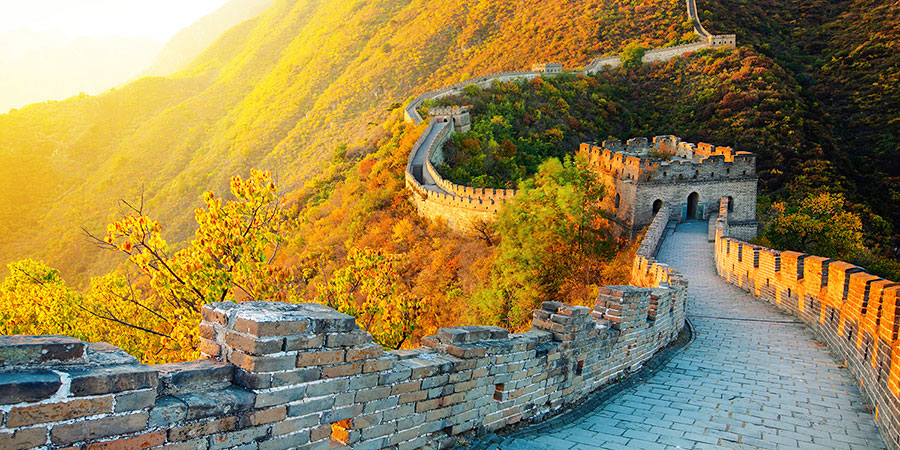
[
  {"x": 282, "y": 376},
  {"x": 857, "y": 314}
]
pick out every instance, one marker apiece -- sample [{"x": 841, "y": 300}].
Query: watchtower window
[
  {"x": 730, "y": 203},
  {"x": 728, "y": 171},
  {"x": 712, "y": 174},
  {"x": 664, "y": 174},
  {"x": 618, "y": 200}
]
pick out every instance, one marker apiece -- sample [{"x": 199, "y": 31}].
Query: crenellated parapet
[
  {"x": 854, "y": 312},
  {"x": 301, "y": 376},
  {"x": 668, "y": 159}
]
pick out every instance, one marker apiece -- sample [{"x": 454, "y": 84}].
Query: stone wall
[
  {"x": 857, "y": 314},
  {"x": 282, "y": 376}
]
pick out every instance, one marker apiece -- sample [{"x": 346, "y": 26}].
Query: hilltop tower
[{"x": 641, "y": 176}]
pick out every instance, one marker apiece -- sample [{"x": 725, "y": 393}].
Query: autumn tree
[
  {"x": 553, "y": 240},
  {"x": 369, "y": 288},
  {"x": 820, "y": 225}
]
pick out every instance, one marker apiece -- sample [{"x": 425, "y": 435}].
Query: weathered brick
[
  {"x": 344, "y": 370},
  {"x": 57, "y": 412},
  {"x": 275, "y": 327},
  {"x": 310, "y": 406},
  {"x": 22, "y": 350},
  {"x": 262, "y": 363},
  {"x": 236, "y": 438},
  {"x": 194, "y": 375},
  {"x": 286, "y": 442},
  {"x": 303, "y": 342},
  {"x": 105, "y": 380},
  {"x": 372, "y": 394},
  {"x": 168, "y": 410},
  {"x": 370, "y": 351},
  {"x": 427, "y": 405},
  {"x": 207, "y": 331},
  {"x": 379, "y": 365},
  {"x": 28, "y": 386},
  {"x": 347, "y": 339},
  {"x": 131, "y": 443},
  {"x": 217, "y": 312},
  {"x": 319, "y": 433},
  {"x": 280, "y": 396},
  {"x": 414, "y": 396},
  {"x": 22, "y": 439},
  {"x": 252, "y": 380},
  {"x": 338, "y": 414},
  {"x": 253, "y": 345},
  {"x": 194, "y": 444},
  {"x": 293, "y": 425},
  {"x": 204, "y": 428},
  {"x": 320, "y": 358},
  {"x": 297, "y": 376},
  {"x": 209, "y": 348},
  {"x": 137, "y": 400},
  {"x": 268, "y": 416},
  {"x": 71, "y": 433},
  {"x": 219, "y": 402}
]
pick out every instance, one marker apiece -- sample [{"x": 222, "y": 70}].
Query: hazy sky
[{"x": 156, "y": 19}]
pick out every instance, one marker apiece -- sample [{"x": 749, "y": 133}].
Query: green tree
[
  {"x": 632, "y": 55},
  {"x": 820, "y": 226},
  {"x": 553, "y": 241}
]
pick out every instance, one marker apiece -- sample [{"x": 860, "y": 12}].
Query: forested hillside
[
  {"x": 281, "y": 91},
  {"x": 845, "y": 58}
]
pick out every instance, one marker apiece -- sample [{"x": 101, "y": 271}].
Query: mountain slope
[{"x": 280, "y": 91}]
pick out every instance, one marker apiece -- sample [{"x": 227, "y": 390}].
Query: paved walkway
[
  {"x": 422, "y": 175},
  {"x": 752, "y": 378}
]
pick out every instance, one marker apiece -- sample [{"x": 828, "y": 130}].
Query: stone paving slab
[{"x": 754, "y": 377}]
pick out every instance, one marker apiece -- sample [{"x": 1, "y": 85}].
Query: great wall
[
  {"x": 280, "y": 376},
  {"x": 464, "y": 208}
]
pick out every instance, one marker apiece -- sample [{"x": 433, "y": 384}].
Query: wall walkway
[{"x": 753, "y": 377}]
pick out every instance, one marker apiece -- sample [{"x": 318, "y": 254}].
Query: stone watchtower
[
  {"x": 547, "y": 68},
  {"x": 641, "y": 176},
  {"x": 459, "y": 115}
]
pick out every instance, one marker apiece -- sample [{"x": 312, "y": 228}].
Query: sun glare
[{"x": 156, "y": 19}]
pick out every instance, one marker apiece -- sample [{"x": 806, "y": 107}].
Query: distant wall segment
[
  {"x": 856, "y": 313},
  {"x": 463, "y": 207}
]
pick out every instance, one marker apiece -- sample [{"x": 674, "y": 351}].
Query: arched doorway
[
  {"x": 692, "y": 202},
  {"x": 657, "y": 205},
  {"x": 730, "y": 203},
  {"x": 617, "y": 201}
]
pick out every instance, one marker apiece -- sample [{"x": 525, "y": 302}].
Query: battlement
[
  {"x": 854, "y": 312},
  {"x": 547, "y": 68},
  {"x": 723, "y": 40},
  {"x": 281, "y": 375},
  {"x": 668, "y": 159}
]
